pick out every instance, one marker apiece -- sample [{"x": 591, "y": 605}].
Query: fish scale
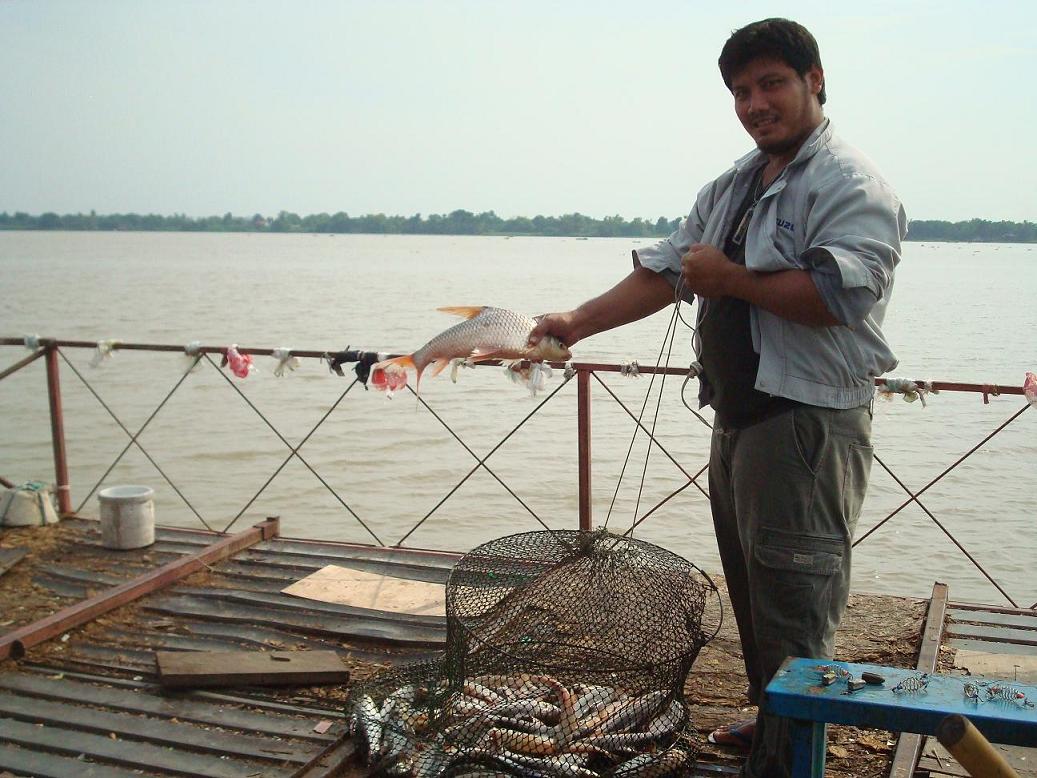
[
  {"x": 491, "y": 330},
  {"x": 487, "y": 333}
]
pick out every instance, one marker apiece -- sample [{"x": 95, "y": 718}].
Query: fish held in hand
[{"x": 486, "y": 334}]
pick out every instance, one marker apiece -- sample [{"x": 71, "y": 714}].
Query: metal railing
[{"x": 53, "y": 353}]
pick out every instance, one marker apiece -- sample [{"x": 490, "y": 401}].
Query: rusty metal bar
[
  {"x": 583, "y": 423},
  {"x": 57, "y": 431},
  {"x": 909, "y": 744},
  {"x": 14, "y": 644},
  {"x": 954, "y": 386},
  {"x": 22, "y": 363}
]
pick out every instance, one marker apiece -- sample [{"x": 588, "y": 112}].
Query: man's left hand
[{"x": 707, "y": 271}]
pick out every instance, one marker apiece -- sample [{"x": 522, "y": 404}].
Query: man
[{"x": 791, "y": 255}]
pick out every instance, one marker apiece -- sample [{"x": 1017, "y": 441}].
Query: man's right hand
[{"x": 561, "y": 325}]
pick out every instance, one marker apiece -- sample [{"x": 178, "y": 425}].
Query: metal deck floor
[{"x": 89, "y": 703}]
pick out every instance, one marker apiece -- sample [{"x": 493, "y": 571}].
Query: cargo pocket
[
  {"x": 855, "y": 481},
  {"x": 792, "y": 586}
]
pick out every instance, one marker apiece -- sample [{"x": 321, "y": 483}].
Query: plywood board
[
  {"x": 1005, "y": 667},
  {"x": 198, "y": 669},
  {"x": 361, "y": 589}
]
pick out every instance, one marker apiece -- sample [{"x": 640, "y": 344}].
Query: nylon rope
[
  {"x": 133, "y": 438},
  {"x": 296, "y": 454},
  {"x": 289, "y": 459},
  {"x": 665, "y": 348},
  {"x": 481, "y": 462}
]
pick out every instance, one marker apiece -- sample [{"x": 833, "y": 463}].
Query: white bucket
[{"x": 127, "y": 516}]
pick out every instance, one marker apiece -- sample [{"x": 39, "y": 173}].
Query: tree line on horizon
[{"x": 462, "y": 222}]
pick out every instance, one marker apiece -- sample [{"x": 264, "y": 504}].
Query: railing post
[
  {"x": 57, "y": 431},
  {"x": 583, "y": 416}
]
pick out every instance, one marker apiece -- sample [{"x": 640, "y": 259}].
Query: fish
[
  {"x": 486, "y": 333},
  {"x": 1030, "y": 388},
  {"x": 651, "y": 765},
  {"x": 366, "y": 720}
]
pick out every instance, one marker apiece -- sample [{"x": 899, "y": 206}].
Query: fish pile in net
[{"x": 567, "y": 654}]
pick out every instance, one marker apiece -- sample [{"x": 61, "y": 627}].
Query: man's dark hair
[{"x": 779, "y": 39}]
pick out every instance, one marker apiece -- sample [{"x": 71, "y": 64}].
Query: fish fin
[
  {"x": 438, "y": 366},
  {"x": 478, "y": 355},
  {"x": 402, "y": 362},
  {"x": 464, "y": 311}
]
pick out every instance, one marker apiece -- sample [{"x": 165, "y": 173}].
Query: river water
[{"x": 959, "y": 313}]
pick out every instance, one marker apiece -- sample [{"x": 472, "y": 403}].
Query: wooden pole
[
  {"x": 973, "y": 751},
  {"x": 57, "y": 432}
]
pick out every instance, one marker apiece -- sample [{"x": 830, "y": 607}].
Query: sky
[{"x": 523, "y": 108}]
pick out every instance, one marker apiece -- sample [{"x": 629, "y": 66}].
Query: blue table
[{"x": 797, "y": 692}]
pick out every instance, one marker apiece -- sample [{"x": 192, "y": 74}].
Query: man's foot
[{"x": 737, "y": 735}]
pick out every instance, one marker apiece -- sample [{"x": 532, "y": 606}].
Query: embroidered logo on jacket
[{"x": 785, "y": 224}]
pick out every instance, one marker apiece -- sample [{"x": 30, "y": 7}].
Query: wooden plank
[
  {"x": 138, "y": 700},
  {"x": 16, "y": 642},
  {"x": 22, "y": 761},
  {"x": 180, "y": 669},
  {"x": 136, "y": 729},
  {"x": 909, "y": 745},
  {"x": 9, "y": 557},
  {"x": 141, "y": 756}
]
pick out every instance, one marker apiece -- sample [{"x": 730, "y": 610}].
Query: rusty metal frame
[
  {"x": 50, "y": 349},
  {"x": 15, "y": 643},
  {"x": 913, "y": 497}
]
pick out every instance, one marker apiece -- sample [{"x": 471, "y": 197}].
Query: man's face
[{"x": 777, "y": 106}]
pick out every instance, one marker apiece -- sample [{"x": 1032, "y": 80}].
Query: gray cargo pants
[{"x": 785, "y": 495}]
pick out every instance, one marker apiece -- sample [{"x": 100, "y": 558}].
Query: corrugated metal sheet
[{"x": 95, "y": 707}]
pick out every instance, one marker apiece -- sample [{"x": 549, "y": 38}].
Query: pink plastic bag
[
  {"x": 1030, "y": 388},
  {"x": 240, "y": 364},
  {"x": 388, "y": 380}
]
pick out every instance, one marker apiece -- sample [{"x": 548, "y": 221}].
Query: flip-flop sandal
[{"x": 737, "y": 735}]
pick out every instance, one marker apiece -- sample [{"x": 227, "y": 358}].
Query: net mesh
[{"x": 567, "y": 654}]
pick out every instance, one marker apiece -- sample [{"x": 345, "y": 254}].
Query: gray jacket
[{"x": 829, "y": 212}]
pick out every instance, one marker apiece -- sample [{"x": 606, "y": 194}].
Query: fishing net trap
[{"x": 567, "y": 654}]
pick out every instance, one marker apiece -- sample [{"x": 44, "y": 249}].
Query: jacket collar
[{"x": 818, "y": 138}]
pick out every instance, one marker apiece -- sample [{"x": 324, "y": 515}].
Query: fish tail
[{"x": 403, "y": 362}]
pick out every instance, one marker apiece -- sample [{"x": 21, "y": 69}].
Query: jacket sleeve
[
  {"x": 855, "y": 224},
  {"x": 665, "y": 256}
]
